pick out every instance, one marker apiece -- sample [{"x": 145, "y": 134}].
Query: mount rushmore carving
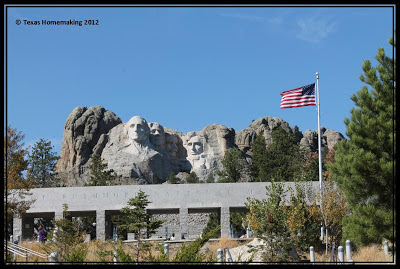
[{"x": 142, "y": 152}]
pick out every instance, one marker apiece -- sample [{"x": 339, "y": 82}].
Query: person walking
[{"x": 42, "y": 234}]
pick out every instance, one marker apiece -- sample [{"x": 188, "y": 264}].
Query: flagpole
[
  {"x": 319, "y": 138},
  {"x": 320, "y": 161}
]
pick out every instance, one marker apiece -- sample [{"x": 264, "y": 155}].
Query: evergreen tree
[
  {"x": 98, "y": 175},
  {"x": 42, "y": 162},
  {"x": 171, "y": 178},
  {"x": 259, "y": 162},
  {"x": 280, "y": 161},
  {"x": 134, "y": 218},
  {"x": 192, "y": 178},
  {"x": 210, "y": 178},
  {"x": 213, "y": 226},
  {"x": 284, "y": 157},
  {"x": 233, "y": 166},
  {"x": 364, "y": 163},
  {"x": 66, "y": 238}
]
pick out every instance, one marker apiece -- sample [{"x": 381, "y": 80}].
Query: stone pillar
[
  {"x": 17, "y": 227},
  {"x": 58, "y": 215},
  {"x": 225, "y": 222},
  {"x": 183, "y": 221},
  {"x": 101, "y": 225}
]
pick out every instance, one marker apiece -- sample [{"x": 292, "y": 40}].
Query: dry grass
[
  {"x": 372, "y": 253},
  {"x": 213, "y": 246},
  {"x": 366, "y": 254}
]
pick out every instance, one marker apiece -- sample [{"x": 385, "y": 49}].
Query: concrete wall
[{"x": 180, "y": 200}]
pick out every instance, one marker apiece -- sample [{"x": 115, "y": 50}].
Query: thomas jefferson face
[
  {"x": 156, "y": 134},
  {"x": 195, "y": 146},
  {"x": 138, "y": 129}
]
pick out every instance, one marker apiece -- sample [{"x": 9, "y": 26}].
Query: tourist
[
  {"x": 172, "y": 237},
  {"x": 42, "y": 234}
]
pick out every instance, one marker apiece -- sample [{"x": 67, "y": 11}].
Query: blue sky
[{"x": 187, "y": 67}]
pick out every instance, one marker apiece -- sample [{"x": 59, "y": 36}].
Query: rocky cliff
[{"x": 141, "y": 152}]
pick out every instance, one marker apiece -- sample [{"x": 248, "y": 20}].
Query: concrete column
[
  {"x": 58, "y": 215},
  {"x": 101, "y": 225},
  {"x": 183, "y": 220},
  {"x": 17, "y": 227},
  {"x": 225, "y": 222}
]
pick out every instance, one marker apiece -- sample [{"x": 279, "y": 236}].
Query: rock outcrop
[
  {"x": 244, "y": 138},
  {"x": 142, "y": 153},
  {"x": 329, "y": 138},
  {"x": 82, "y": 130},
  {"x": 206, "y": 148}
]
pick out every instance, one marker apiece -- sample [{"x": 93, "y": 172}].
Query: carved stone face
[
  {"x": 195, "y": 146},
  {"x": 171, "y": 145},
  {"x": 138, "y": 130},
  {"x": 156, "y": 134}
]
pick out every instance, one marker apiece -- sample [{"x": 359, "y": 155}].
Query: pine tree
[
  {"x": 280, "y": 161},
  {"x": 364, "y": 163},
  {"x": 134, "y": 218},
  {"x": 42, "y": 162},
  {"x": 192, "y": 178},
  {"x": 98, "y": 175},
  {"x": 259, "y": 162},
  {"x": 233, "y": 166},
  {"x": 284, "y": 157},
  {"x": 171, "y": 178}
]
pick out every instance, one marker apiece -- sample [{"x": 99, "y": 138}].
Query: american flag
[{"x": 303, "y": 96}]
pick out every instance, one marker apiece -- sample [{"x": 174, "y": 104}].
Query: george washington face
[{"x": 138, "y": 130}]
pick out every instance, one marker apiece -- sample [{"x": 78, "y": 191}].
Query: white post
[
  {"x": 53, "y": 258},
  {"x": 340, "y": 255},
  {"x": 219, "y": 255},
  {"x": 348, "y": 250},
  {"x": 166, "y": 249},
  {"x": 326, "y": 242},
  {"x": 322, "y": 233},
  {"x": 11, "y": 239},
  {"x": 115, "y": 259},
  {"x": 248, "y": 232},
  {"x": 386, "y": 247},
  {"x": 312, "y": 254}
]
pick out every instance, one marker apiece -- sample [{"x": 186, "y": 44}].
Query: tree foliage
[
  {"x": 364, "y": 163},
  {"x": 214, "y": 225},
  {"x": 280, "y": 161},
  {"x": 259, "y": 162},
  {"x": 135, "y": 219},
  {"x": 192, "y": 178},
  {"x": 67, "y": 241},
  {"x": 16, "y": 184},
  {"x": 15, "y": 163},
  {"x": 233, "y": 163},
  {"x": 42, "y": 161},
  {"x": 283, "y": 224},
  {"x": 99, "y": 176}
]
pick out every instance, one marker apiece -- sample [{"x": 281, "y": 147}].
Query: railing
[{"x": 22, "y": 251}]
